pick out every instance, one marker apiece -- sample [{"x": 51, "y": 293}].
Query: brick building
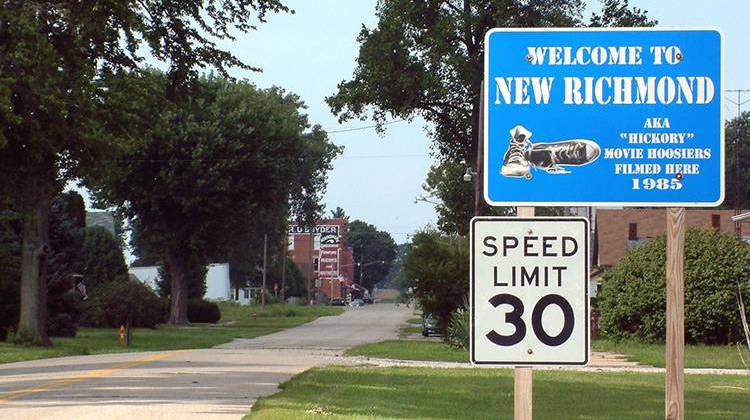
[
  {"x": 323, "y": 256},
  {"x": 619, "y": 230}
]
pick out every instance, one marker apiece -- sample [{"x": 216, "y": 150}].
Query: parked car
[
  {"x": 357, "y": 302},
  {"x": 338, "y": 302},
  {"x": 429, "y": 325},
  {"x": 367, "y": 300}
]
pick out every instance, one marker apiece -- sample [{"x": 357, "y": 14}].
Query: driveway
[{"x": 221, "y": 382}]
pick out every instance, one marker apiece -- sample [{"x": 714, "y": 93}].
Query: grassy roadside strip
[
  {"x": 433, "y": 351},
  {"x": 365, "y": 392},
  {"x": 696, "y": 356},
  {"x": 236, "y": 322}
]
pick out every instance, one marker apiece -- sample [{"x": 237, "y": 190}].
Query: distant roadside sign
[
  {"x": 529, "y": 291},
  {"x": 628, "y": 117}
]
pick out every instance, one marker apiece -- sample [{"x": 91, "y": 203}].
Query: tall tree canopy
[
  {"x": 424, "y": 58},
  {"x": 50, "y": 54},
  {"x": 737, "y": 132},
  {"x": 209, "y": 174},
  {"x": 370, "y": 246}
]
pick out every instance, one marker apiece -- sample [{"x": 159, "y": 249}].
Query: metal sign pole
[
  {"x": 523, "y": 376},
  {"x": 675, "y": 361}
]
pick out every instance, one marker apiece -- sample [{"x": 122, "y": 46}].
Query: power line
[{"x": 367, "y": 127}]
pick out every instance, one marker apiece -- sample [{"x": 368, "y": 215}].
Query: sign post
[
  {"x": 523, "y": 377},
  {"x": 675, "y": 351},
  {"x": 607, "y": 117}
]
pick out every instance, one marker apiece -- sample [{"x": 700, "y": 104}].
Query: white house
[{"x": 218, "y": 285}]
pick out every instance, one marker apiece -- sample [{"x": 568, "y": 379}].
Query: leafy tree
[
  {"x": 195, "y": 276},
  {"x": 436, "y": 269},
  {"x": 102, "y": 260},
  {"x": 339, "y": 213},
  {"x": 424, "y": 59},
  {"x": 632, "y": 301},
  {"x": 295, "y": 282},
  {"x": 737, "y": 132},
  {"x": 50, "y": 54},
  {"x": 370, "y": 246},
  {"x": 396, "y": 278},
  {"x": 10, "y": 268},
  {"x": 64, "y": 302},
  {"x": 207, "y": 175},
  {"x": 456, "y": 198},
  {"x": 63, "y": 260}
]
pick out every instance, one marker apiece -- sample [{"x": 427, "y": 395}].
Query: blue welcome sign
[{"x": 627, "y": 117}]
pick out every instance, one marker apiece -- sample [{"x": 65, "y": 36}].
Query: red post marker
[
  {"x": 254, "y": 316},
  {"x": 122, "y": 334}
]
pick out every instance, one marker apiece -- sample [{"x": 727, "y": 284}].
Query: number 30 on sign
[{"x": 529, "y": 291}]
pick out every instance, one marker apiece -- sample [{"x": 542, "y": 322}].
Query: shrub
[
  {"x": 110, "y": 305},
  {"x": 200, "y": 310},
  {"x": 102, "y": 259},
  {"x": 437, "y": 270},
  {"x": 458, "y": 329},
  {"x": 632, "y": 302}
]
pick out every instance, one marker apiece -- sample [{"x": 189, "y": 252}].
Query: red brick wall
[
  {"x": 304, "y": 254},
  {"x": 612, "y": 228}
]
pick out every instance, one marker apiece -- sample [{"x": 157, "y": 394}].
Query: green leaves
[
  {"x": 213, "y": 172},
  {"x": 633, "y": 298},
  {"x": 437, "y": 269},
  {"x": 370, "y": 246}
]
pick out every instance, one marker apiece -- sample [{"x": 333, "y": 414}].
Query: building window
[
  {"x": 290, "y": 243},
  {"x": 246, "y": 292},
  {"x": 716, "y": 221},
  {"x": 633, "y": 232},
  {"x": 316, "y": 262},
  {"x": 316, "y": 243}
]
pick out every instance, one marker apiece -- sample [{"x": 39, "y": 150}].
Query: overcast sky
[{"x": 377, "y": 178}]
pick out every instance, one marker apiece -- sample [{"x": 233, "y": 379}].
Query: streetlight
[
  {"x": 421, "y": 198},
  {"x": 470, "y": 174}
]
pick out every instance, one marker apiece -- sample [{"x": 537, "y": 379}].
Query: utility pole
[
  {"x": 283, "y": 265},
  {"x": 265, "y": 257},
  {"x": 736, "y": 174},
  {"x": 479, "y": 168}
]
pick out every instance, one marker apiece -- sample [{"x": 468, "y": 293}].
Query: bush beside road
[
  {"x": 364, "y": 392},
  {"x": 236, "y": 322}
]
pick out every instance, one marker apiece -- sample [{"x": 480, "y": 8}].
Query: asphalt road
[{"x": 217, "y": 383}]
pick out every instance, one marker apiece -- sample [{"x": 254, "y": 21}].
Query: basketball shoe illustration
[{"x": 554, "y": 158}]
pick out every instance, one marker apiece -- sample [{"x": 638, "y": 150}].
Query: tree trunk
[
  {"x": 178, "y": 290},
  {"x": 34, "y": 249}
]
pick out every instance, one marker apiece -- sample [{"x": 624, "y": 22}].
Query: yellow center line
[{"x": 98, "y": 373}]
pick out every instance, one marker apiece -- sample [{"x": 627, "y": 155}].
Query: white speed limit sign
[{"x": 529, "y": 291}]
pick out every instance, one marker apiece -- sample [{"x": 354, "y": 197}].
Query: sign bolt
[
  {"x": 529, "y": 351},
  {"x": 679, "y": 176},
  {"x": 528, "y": 57},
  {"x": 678, "y": 56}
]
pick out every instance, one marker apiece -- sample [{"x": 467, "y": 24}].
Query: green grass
[
  {"x": 235, "y": 322},
  {"x": 696, "y": 356},
  {"x": 364, "y": 392},
  {"x": 410, "y": 350}
]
